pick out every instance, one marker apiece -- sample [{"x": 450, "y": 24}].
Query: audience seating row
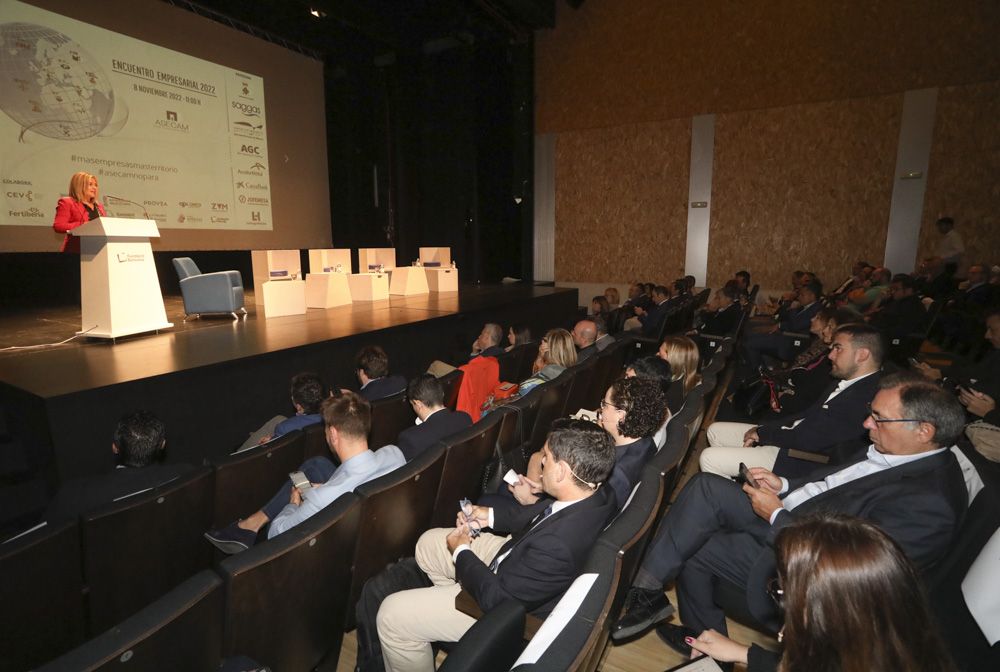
[{"x": 122, "y": 575}]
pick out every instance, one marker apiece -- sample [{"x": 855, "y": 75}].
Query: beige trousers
[
  {"x": 726, "y": 451},
  {"x": 408, "y": 621}
]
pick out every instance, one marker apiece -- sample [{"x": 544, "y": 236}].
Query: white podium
[
  {"x": 369, "y": 286},
  {"x": 327, "y": 290},
  {"x": 119, "y": 289},
  {"x": 326, "y": 261},
  {"x": 441, "y": 276},
  {"x": 442, "y": 279},
  {"x": 283, "y": 297},
  {"x": 278, "y": 291},
  {"x": 407, "y": 281},
  {"x": 371, "y": 257}
]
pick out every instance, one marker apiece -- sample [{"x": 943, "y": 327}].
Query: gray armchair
[{"x": 220, "y": 292}]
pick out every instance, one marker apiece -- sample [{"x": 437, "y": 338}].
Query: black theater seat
[
  {"x": 390, "y": 416},
  {"x": 137, "y": 549},
  {"x": 466, "y": 454},
  {"x": 286, "y": 598},
  {"x": 180, "y": 631},
  {"x": 41, "y": 596},
  {"x": 395, "y": 510},
  {"x": 245, "y": 481}
]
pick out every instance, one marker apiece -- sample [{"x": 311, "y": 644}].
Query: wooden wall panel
[
  {"x": 614, "y": 62},
  {"x": 963, "y": 179},
  {"x": 621, "y": 203},
  {"x": 807, "y": 186}
]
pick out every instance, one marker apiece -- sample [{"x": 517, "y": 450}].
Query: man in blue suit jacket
[
  {"x": 434, "y": 421},
  {"x": 372, "y": 367},
  {"x": 908, "y": 483},
  {"x": 534, "y": 566},
  {"x": 795, "y": 320},
  {"x": 829, "y": 425}
]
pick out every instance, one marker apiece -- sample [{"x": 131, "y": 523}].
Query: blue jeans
[{"x": 316, "y": 469}]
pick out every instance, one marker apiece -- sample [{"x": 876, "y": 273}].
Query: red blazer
[{"x": 70, "y": 214}]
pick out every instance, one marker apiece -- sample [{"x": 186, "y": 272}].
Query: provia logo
[
  {"x": 246, "y": 108},
  {"x": 21, "y": 195},
  {"x": 250, "y": 149}
]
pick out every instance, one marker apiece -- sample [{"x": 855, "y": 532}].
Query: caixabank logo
[{"x": 171, "y": 122}]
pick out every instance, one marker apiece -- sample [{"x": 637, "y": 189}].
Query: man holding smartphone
[
  {"x": 977, "y": 385},
  {"x": 348, "y": 419},
  {"x": 908, "y": 482}
]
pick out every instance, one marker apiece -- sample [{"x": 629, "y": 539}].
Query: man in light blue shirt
[{"x": 347, "y": 419}]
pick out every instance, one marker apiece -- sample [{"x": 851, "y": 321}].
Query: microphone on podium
[{"x": 125, "y": 200}]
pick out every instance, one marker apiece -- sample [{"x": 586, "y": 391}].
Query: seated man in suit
[
  {"x": 721, "y": 315},
  {"x": 434, "y": 421},
  {"x": 138, "y": 445},
  {"x": 347, "y": 420},
  {"x": 584, "y": 336},
  {"x": 372, "y": 367},
  {"x": 834, "y": 420},
  {"x": 550, "y": 542},
  {"x": 487, "y": 344},
  {"x": 308, "y": 392},
  {"x": 770, "y": 343},
  {"x": 977, "y": 384},
  {"x": 904, "y": 312},
  {"x": 603, "y": 339},
  {"x": 649, "y": 318},
  {"x": 908, "y": 482}
]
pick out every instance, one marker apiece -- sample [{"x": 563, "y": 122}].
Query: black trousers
[{"x": 710, "y": 531}]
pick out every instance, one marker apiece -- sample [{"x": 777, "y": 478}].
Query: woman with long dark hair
[{"x": 852, "y": 601}]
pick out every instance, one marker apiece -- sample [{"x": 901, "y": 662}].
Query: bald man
[{"x": 584, "y": 334}]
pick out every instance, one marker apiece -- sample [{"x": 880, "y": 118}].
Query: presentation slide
[
  {"x": 171, "y": 136},
  {"x": 181, "y": 138}
]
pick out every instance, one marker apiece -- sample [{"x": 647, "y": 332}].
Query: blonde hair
[
  {"x": 682, "y": 355},
  {"x": 78, "y": 185},
  {"x": 562, "y": 351},
  {"x": 615, "y": 298}
]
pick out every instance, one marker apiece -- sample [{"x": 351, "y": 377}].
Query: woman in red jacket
[{"x": 78, "y": 208}]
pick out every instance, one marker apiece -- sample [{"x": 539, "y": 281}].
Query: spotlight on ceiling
[{"x": 318, "y": 13}]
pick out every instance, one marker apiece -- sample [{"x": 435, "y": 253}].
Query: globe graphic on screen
[{"x": 50, "y": 85}]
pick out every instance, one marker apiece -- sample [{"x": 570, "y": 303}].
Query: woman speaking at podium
[{"x": 78, "y": 208}]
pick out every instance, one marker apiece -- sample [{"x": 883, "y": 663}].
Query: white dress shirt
[{"x": 875, "y": 463}]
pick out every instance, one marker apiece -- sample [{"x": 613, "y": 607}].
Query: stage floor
[
  {"x": 87, "y": 363},
  {"x": 214, "y": 380}
]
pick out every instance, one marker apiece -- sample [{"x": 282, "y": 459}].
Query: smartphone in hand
[
  {"x": 299, "y": 481},
  {"x": 745, "y": 477}
]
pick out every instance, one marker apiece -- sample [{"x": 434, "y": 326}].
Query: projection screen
[{"x": 216, "y": 135}]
